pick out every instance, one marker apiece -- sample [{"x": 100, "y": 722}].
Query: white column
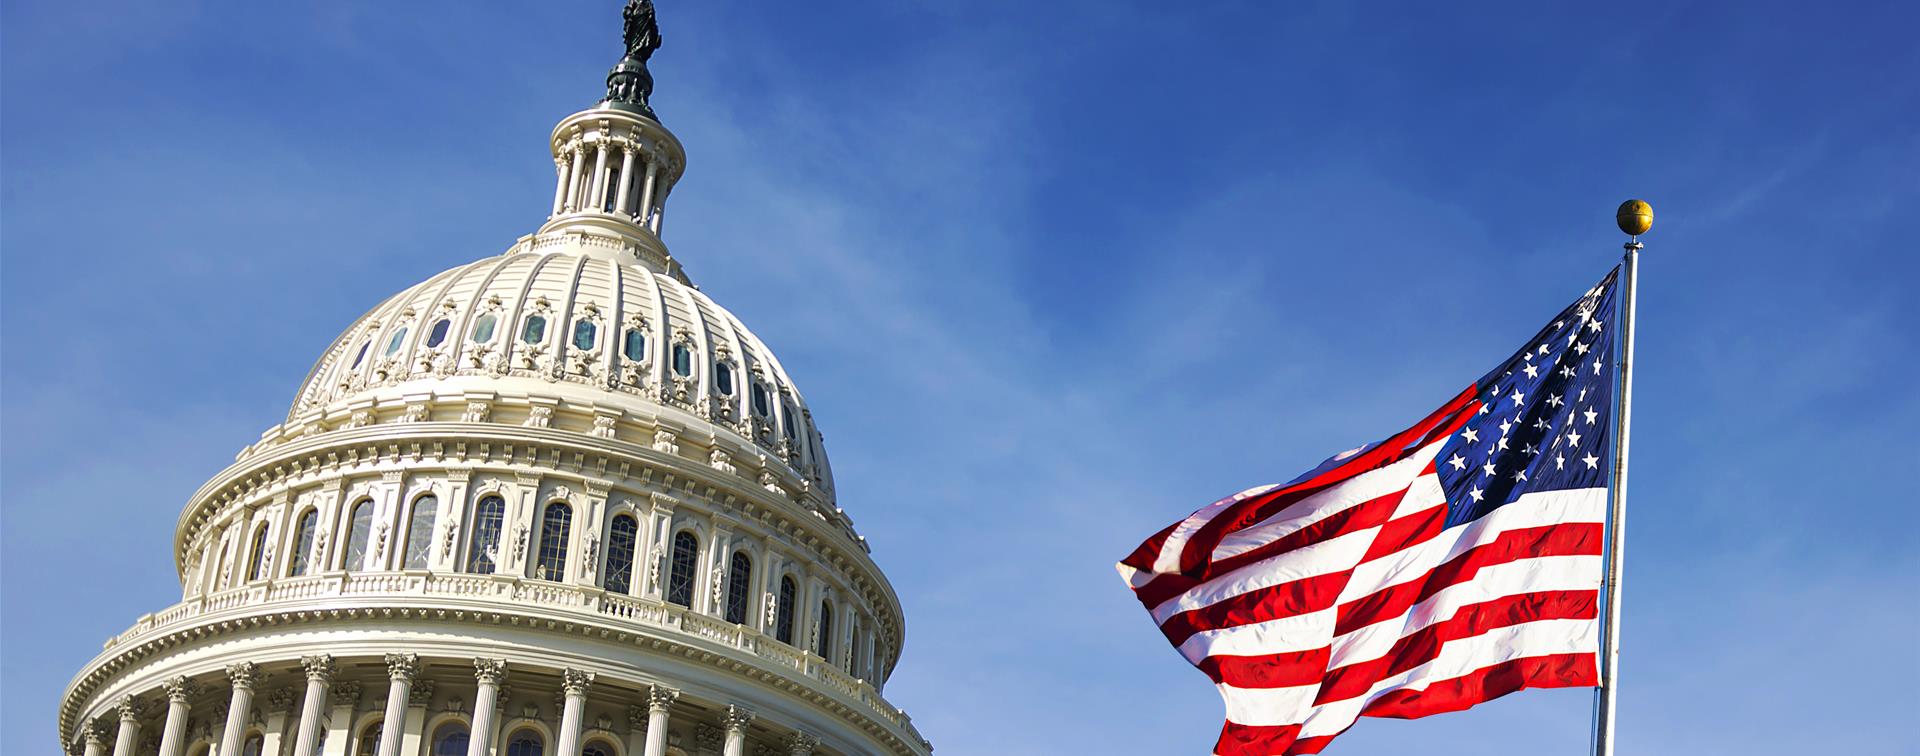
[
  {"x": 599, "y": 198},
  {"x": 239, "y": 707},
  {"x": 489, "y": 673},
  {"x": 659, "y": 212},
  {"x": 573, "y": 180},
  {"x": 173, "y": 736},
  {"x": 559, "y": 185},
  {"x": 736, "y": 720},
  {"x": 96, "y": 739},
  {"x": 400, "y": 671},
  {"x": 801, "y": 743},
  {"x": 129, "y": 735},
  {"x": 574, "y": 684},
  {"x": 626, "y": 180},
  {"x": 319, "y": 679},
  {"x": 646, "y": 189},
  {"x": 659, "y": 703},
  {"x": 418, "y": 696}
]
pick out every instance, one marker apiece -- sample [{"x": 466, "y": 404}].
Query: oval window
[
  {"x": 636, "y": 347},
  {"x": 682, "y": 360},
  {"x": 362, "y": 354},
  {"x": 723, "y": 378},
  {"x": 584, "y": 332},
  {"x": 438, "y": 334},
  {"x": 483, "y": 328},
  {"x": 535, "y": 330},
  {"x": 399, "y": 338},
  {"x": 759, "y": 400}
]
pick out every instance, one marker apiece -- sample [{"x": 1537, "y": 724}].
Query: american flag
[{"x": 1451, "y": 564}]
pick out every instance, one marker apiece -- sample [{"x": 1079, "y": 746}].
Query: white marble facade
[{"x": 556, "y": 501}]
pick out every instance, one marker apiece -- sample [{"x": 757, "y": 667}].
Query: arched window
[
  {"x": 621, "y": 538},
  {"x": 399, "y": 339},
  {"x": 257, "y": 743},
  {"x": 783, "y": 613},
  {"x": 257, "y": 560},
  {"x": 359, "y": 529},
  {"x": 635, "y": 347},
  {"x": 302, "y": 543},
  {"x": 723, "y": 378},
  {"x": 824, "y": 644},
  {"x": 682, "y": 360},
  {"x": 535, "y": 331},
  {"x": 420, "y": 519},
  {"x": 613, "y": 189},
  {"x": 597, "y": 748},
  {"x": 485, "y": 544},
  {"x": 450, "y": 739},
  {"x": 739, "y": 582},
  {"x": 585, "y": 333},
  {"x": 552, "y": 562},
  {"x": 437, "y": 335},
  {"x": 362, "y": 354},
  {"x": 686, "y": 555},
  {"x": 368, "y": 744},
  {"x": 483, "y": 327},
  {"x": 526, "y": 743}
]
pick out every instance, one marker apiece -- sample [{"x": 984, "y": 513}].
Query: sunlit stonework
[{"x": 556, "y": 501}]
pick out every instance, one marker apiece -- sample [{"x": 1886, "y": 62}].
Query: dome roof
[{"x": 579, "y": 321}]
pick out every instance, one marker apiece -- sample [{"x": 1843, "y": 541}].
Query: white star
[
  {"x": 1543, "y": 349},
  {"x": 1581, "y": 348},
  {"x": 1519, "y": 398},
  {"x": 1503, "y": 442},
  {"x": 1472, "y": 436},
  {"x": 1529, "y": 449},
  {"x": 1596, "y": 366},
  {"x": 1559, "y": 462},
  {"x": 1594, "y": 324},
  {"x": 1566, "y": 372},
  {"x": 1593, "y": 462},
  {"x": 1591, "y": 416},
  {"x": 1541, "y": 424},
  {"x": 1583, "y": 396},
  {"x": 1483, "y": 410},
  {"x": 1457, "y": 462},
  {"x": 1533, "y": 371},
  {"x": 1519, "y": 476},
  {"x": 1554, "y": 401},
  {"x": 1558, "y": 324},
  {"x": 1477, "y": 494},
  {"x": 1573, "y": 436},
  {"x": 1505, "y": 426},
  {"x": 1487, "y": 469}
]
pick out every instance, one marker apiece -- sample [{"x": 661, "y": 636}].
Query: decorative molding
[
  {"x": 575, "y": 682},
  {"x": 319, "y": 667},
  {"x": 661, "y": 698},
  {"x": 421, "y": 693},
  {"x": 179, "y": 689},
  {"x": 345, "y": 693},
  {"x": 403, "y": 667},
  {"x": 490, "y": 671}
]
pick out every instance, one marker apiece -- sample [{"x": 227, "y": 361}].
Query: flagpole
[{"x": 1635, "y": 218}]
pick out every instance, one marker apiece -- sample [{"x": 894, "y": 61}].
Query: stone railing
[{"x": 520, "y": 593}]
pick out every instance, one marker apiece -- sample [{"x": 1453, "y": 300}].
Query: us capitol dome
[{"x": 556, "y": 502}]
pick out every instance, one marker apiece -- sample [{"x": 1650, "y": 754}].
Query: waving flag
[{"x": 1453, "y": 563}]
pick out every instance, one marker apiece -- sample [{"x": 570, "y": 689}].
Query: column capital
[
  {"x": 243, "y": 675},
  {"x": 801, "y": 743},
  {"x": 319, "y": 667},
  {"x": 490, "y": 671},
  {"x": 346, "y": 693},
  {"x": 179, "y": 689},
  {"x": 421, "y": 693},
  {"x": 94, "y": 733},
  {"x": 129, "y": 709},
  {"x": 574, "y": 682},
  {"x": 403, "y": 666},
  {"x": 660, "y": 698},
  {"x": 637, "y": 718},
  {"x": 737, "y": 718}
]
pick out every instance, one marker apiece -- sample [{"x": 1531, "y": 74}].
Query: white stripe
[
  {"x": 1349, "y": 493},
  {"x": 1337, "y": 554},
  {"x": 1168, "y": 561},
  {"x": 1301, "y": 632},
  {"x": 1463, "y": 657},
  {"x": 1555, "y": 573},
  {"x": 1273, "y": 707},
  {"x": 1531, "y": 510}
]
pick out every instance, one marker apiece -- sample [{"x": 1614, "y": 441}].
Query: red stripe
[
  {"x": 1405, "y": 532},
  {"x": 1350, "y": 520},
  {"x": 1256, "y": 740},
  {"x": 1424, "y": 645},
  {"x": 1193, "y": 558},
  {"x": 1286, "y": 670},
  {"x": 1564, "y": 539},
  {"x": 1284, "y": 600},
  {"x": 1143, "y": 558},
  {"x": 1488, "y": 683}
]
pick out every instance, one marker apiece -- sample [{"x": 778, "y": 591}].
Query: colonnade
[
  {"x": 648, "y": 723},
  {"x": 589, "y": 181}
]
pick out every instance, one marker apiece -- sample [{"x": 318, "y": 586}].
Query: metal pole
[{"x": 1617, "y": 512}]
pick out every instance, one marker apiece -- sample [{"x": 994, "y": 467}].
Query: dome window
[
  {"x": 399, "y": 339},
  {"x": 760, "y": 406},
  {"x": 783, "y": 611},
  {"x": 635, "y": 347},
  {"x": 723, "y": 378},
  {"x": 786, "y": 422},
  {"x": 682, "y": 360},
  {"x": 584, "y": 333},
  {"x": 483, "y": 328},
  {"x": 621, "y": 539},
  {"x": 535, "y": 331},
  {"x": 437, "y": 335},
  {"x": 686, "y": 559},
  {"x": 361, "y": 355}
]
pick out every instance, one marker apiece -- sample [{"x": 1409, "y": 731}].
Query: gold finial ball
[{"x": 1635, "y": 217}]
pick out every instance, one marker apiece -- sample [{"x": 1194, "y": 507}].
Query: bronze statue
[
  {"x": 630, "y": 84},
  {"x": 642, "y": 33}
]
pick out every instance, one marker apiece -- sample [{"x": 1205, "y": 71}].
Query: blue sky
[{"x": 1051, "y": 276}]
